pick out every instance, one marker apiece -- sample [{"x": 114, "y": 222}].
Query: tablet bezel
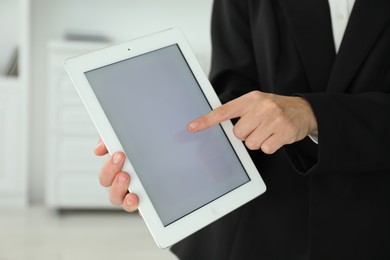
[{"x": 164, "y": 236}]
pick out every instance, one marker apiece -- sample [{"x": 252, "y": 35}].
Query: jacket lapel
[
  {"x": 312, "y": 31},
  {"x": 367, "y": 20}
]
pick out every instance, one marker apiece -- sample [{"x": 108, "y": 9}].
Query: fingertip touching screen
[{"x": 149, "y": 100}]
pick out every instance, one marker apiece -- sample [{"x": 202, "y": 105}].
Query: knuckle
[
  {"x": 281, "y": 121},
  {"x": 106, "y": 177},
  {"x": 268, "y": 149},
  {"x": 103, "y": 180},
  {"x": 222, "y": 110},
  {"x": 291, "y": 128},
  {"x": 117, "y": 194},
  {"x": 275, "y": 108},
  {"x": 115, "y": 201},
  {"x": 252, "y": 144},
  {"x": 238, "y": 133},
  {"x": 291, "y": 131},
  {"x": 254, "y": 95}
]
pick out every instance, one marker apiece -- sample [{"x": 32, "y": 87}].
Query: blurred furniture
[
  {"x": 14, "y": 102},
  {"x": 72, "y": 168}
]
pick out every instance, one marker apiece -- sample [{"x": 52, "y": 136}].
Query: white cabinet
[
  {"x": 14, "y": 93},
  {"x": 11, "y": 189},
  {"x": 72, "y": 168}
]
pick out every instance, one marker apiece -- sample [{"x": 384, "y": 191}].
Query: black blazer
[{"x": 325, "y": 201}]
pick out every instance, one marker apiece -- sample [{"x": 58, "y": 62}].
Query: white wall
[
  {"x": 120, "y": 20},
  {"x": 9, "y": 37}
]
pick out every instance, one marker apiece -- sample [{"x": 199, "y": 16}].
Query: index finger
[{"x": 230, "y": 110}]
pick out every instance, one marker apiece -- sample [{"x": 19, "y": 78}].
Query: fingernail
[
  {"x": 193, "y": 125},
  {"x": 129, "y": 202},
  {"x": 122, "y": 179},
  {"x": 117, "y": 158}
]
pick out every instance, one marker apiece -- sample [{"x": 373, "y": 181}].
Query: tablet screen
[{"x": 149, "y": 100}]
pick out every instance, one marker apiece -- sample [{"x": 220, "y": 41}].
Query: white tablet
[{"x": 141, "y": 95}]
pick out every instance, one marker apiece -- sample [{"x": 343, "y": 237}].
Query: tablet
[{"x": 141, "y": 95}]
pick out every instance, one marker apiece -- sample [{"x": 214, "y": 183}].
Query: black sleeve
[
  {"x": 233, "y": 67},
  {"x": 354, "y": 134}
]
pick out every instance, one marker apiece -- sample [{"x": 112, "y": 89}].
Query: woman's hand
[
  {"x": 267, "y": 121},
  {"x": 111, "y": 175}
]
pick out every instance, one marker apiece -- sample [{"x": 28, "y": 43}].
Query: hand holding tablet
[
  {"x": 141, "y": 95},
  {"x": 112, "y": 176}
]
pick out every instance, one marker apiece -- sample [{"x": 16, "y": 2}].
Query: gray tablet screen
[{"x": 149, "y": 100}]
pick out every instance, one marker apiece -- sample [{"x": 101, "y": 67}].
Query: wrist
[{"x": 311, "y": 120}]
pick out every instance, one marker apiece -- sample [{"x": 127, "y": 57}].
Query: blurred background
[{"x": 51, "y": 204}]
